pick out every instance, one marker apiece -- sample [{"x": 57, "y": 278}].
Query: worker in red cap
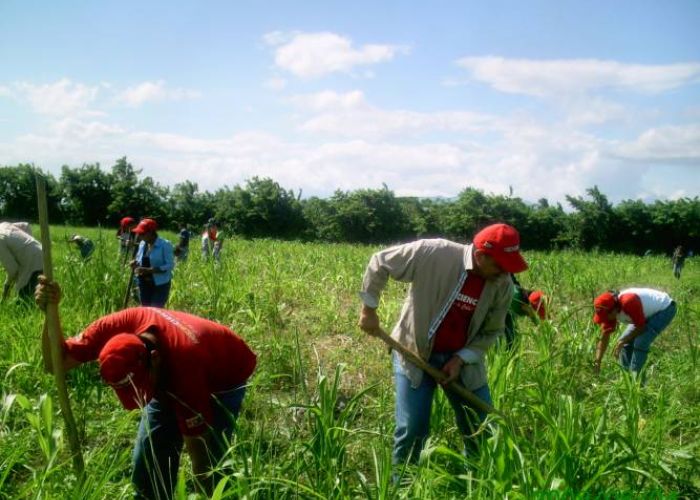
[
  {"x": 153, "y": 265},
  {"x": 454, "y": 311},
  {"x": 188, "y": 375},
  {"x": 529, "y": 303},
  {"x": 646, "y": 311},
  {"x": 126, "y": 237}
]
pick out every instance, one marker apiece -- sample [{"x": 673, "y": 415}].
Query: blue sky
[{"x": 428, "y": 97}]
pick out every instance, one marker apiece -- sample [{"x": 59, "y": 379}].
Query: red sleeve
[
  {"x": 87, "y": 346},
  {"x": 631, "y": 305}
]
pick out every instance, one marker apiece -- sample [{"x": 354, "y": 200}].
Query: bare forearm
[
  {"x": 68, "y": 362},
  {"x": 601, "y": 348},
  {"x": 632, "y": 335},
  {"x": 201, "y": 465}
]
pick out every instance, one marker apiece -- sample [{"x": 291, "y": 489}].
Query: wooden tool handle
[
  {"x": 56, "y": 343},
  {"x": 439, "y": 376}
]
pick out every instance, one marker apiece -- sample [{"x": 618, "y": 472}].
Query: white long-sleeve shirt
[{"x": 20, "y": 254}]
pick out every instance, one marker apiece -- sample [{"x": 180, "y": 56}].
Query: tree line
[{"x": 261, "y": 208}]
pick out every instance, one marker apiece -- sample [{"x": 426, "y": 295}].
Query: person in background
[
  {"x": 218, "y": 244},
  {"x": 188, "y": 374},
  {"x": 153, "y": 265},
  {"x": 525, "y": 302},
  {"x": 646, "y": 311},
  {"x": 678, "y": 259},
  {"x": 126, "y": 237},
  {"x": 455, "y": 310},
  {"x": 21, "y": 256},
  {"x": 209, "y": 238},
  {"x": 85, "y": 245},
  {"x": 182, "y": 249}
]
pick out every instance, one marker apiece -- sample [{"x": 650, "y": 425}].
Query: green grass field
[{"x": 318, "y": 419}]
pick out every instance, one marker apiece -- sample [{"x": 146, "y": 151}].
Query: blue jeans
[
  {"x": 677, "y": 268},
  {"x": 156, "y": 456},
  {"x": 413, "y": 412},
  {"x": 634, "y": 355},
  {"x": 151, "y": 295}
]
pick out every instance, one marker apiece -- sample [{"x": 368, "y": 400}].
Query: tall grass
[{"x": 318, "y": 418}]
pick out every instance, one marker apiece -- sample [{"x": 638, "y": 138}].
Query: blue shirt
[
  {"x": 184, "y": 238},
  {"x": 86, "y": 248},
  {"x": 161, "y": 260}
]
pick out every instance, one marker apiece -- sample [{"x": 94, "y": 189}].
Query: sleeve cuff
[
  {"x": 468, "y": 356},
  {"x": 369, "y": 300}
]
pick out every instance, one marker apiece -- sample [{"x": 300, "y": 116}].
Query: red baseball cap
[
  {"x": 502, "y": 242},
  {"x": 603, "y": 303},
  {"x": 145, "y": 226},
  {"x": 124, "y": 366},
  {"x": 536, "y": 300},
  {"x": 126, "y": 221}
]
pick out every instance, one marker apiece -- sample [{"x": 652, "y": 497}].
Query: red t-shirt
[
  {"x": 199, "y": 357},
  {"x": 453, "y": 331}
]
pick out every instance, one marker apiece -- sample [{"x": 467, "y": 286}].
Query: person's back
[
  {"x": 208, "y": 239},
  {"x": 184, "y": 238},
  {"x": 678, "y": 254},
  {"x": 678, "y": 259},
  {"x": 218, "y": 244},
  {"x": 85, "y": 246},
  {"x": 21, "y": 256},
  {"x": 24, "y": 226},
  {"x": 182, "y": 248}
]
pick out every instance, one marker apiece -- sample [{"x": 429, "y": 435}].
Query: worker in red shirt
[
  {"x": 188, "y": 375},
  {"x": 647, "y": 311},
  {"x": 126, "y": 237}
]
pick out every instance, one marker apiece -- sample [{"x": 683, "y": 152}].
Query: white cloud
[
  {"x": 374, "y": 123},
  {"x": 312, "y": 55},
  {"x": 329, "y": 99},
  {"x": 672, "y": 143},
  {"x": 537, "y": 160},
  {"x": 341, "y": 140},
  {"x": 71, "y": 128},
  {"x": 137, "y": 95},
  {"x": 274, "y": 38},
  {"x": 594, "y": 111},
  {"x": 275, "y": 83},
  {"x": 59, "y": 98},
  {"x": 552, "y": 78},
  {"x": 349, "y": 115}
]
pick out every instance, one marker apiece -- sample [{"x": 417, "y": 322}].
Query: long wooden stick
[
  {"x": 127, "y": 294},
  {"x": 55, "y": 334},
  {"x": 439, "y": 376},
  {"x": 130, "y": 284}
]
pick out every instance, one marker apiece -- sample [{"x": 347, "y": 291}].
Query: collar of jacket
[
  {"x": 468, "y": 267},
  {"x": 469, "y": 257}
]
